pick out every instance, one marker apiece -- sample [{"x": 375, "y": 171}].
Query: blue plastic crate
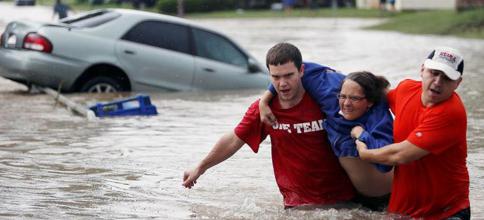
[{"x": 137, "y": 105}]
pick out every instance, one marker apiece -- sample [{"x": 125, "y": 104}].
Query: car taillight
[{"x": 34, "y": 41}]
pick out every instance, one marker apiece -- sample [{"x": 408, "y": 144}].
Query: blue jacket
[{"x": 323, "y": 84}]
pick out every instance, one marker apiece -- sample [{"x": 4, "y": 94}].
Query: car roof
[
  {"x": 142, "y": 15},
  {"x": 169, "y": 18}
]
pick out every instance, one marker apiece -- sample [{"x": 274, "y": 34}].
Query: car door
[
  {"x": 158, "y": 56},
  {"x": 220, "y": 64}
]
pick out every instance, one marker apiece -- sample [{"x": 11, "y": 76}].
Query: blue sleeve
[
  {"x": 272, "y": 89},
  {"x": 378, "y": 130},
  {"x": 323, "y": 84}
]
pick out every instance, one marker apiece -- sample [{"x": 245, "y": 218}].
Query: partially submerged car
[{"x": 112, "y": 50}]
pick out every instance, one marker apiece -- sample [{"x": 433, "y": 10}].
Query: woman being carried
[{"x": 355, "y": 107}]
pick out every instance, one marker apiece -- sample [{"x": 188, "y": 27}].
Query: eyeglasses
[{"x": 350, "y": 97}]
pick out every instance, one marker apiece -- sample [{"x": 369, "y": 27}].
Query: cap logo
[{"x": 447, "y": 56}]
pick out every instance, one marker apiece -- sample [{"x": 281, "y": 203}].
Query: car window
[
  {"x": 93, "y": 19},
  {"x": 216, "y": 47},
  {"x": 161, "y": 34}
]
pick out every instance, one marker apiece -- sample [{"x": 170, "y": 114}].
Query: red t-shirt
[
  {"x": 437, "y": 185},
  {"x": 305, "y": 168}
]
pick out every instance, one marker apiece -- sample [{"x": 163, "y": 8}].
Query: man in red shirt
[
  {"x": 306, "y": 171},
  {"x": 431, "y": 180}
]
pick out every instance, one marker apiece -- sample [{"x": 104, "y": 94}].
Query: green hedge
[{"x": 169, "y": 6}]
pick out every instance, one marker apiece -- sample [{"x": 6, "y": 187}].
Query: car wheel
[{"x": 102, "y": 84}]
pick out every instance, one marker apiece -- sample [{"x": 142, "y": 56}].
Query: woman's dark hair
[
  {"x": 373, "y": 86},
  {"x": 283, "y": 53}
]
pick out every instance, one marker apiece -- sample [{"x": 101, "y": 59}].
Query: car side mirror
[{"x": 253, "y": 66}]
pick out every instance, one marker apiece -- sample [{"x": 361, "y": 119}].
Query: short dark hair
[
  {"x": 282, "y": 53},
  {"x": 373, "y": 86}
]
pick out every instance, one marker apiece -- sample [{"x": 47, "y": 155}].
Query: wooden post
[
  {"x": 180, "y": 8},
  {"x": 71, "y": 105}
]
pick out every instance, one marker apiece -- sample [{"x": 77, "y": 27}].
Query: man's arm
[
  {"x": 266, "y": 115},
  {"x": 393, "y": 154},
  {"x": 225, "y": 147}
]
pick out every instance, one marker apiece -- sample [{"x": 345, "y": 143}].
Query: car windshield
[{"x": 93, "y": 19}]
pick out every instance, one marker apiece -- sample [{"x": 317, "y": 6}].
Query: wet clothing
[
  {"x": 436, "y": 185},
  {"x": 464, "y": 214},
  {"x": 379, "y": 203},
  {"x": 323, "y": 84},
  {"x": 306, "y": 171}
]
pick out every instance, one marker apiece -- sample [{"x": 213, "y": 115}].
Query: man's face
[
  {"x": 436, "y": 86},
  {"x": 286, "y": 79}
]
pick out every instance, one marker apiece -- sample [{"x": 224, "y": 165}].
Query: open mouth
[
  {"x": 284, "y": 91},
  {"x": 435, "y": 91}
]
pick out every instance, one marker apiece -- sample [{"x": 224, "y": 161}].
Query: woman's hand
[{"x": 356, "y": 131}]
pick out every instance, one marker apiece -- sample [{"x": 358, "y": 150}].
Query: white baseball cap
[{"x": 448, "y": 60}]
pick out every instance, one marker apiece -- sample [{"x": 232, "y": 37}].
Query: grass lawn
[{"x": 469, "y": 24}]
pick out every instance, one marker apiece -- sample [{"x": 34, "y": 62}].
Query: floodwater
[{"x": 55, "y": 165}]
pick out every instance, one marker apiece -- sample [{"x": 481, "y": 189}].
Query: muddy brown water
[{"x": 55, "y": 165}]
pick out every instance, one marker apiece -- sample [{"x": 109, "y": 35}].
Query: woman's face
[{"x": 352, "y": 101}]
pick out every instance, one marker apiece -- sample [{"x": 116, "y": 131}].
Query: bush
[{"x": 170, "y": 6}]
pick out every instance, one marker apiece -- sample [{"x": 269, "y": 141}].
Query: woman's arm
[
  {"x": 377, "y": 132},
  {"x": 266, "y": 115}
]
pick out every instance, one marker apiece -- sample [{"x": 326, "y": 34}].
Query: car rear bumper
[{"x": 39, "y": 68}]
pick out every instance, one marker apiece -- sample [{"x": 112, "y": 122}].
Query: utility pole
[{"x": 180, "y": 9}]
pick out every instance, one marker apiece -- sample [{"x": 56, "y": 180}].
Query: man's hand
[
  {"x": 266, "y": 115},
  {"x": 190, "y": 177},
  {"x": 360, "y": 146},
  {"x": 225, "y": 147}
]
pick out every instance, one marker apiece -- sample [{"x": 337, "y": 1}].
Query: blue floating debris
[{"x": 136, "y": 105}]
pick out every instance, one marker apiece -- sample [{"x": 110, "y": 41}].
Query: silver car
[{"x": 113, "y": 50}]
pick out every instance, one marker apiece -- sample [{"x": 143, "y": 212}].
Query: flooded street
[{"x": 55, "y": 165}]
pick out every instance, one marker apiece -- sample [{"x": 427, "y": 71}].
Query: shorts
[
  {"x": 464, "y": 214},
  {"x": 378, "y": 204}
]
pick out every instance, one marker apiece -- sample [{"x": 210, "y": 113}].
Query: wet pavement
[{"x": 55, "y": 165}]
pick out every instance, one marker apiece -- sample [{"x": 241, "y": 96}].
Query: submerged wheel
[{"x": 102, "y": 84}]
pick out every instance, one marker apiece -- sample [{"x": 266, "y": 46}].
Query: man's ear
[
  {"x": 301, "y": 70},
  {"x": 458, "y": 83},
  {"x": 421, "y": 70}
]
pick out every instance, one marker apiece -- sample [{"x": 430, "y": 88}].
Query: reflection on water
[{"x": 55, "y": 165}]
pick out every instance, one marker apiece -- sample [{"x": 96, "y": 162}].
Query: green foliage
[
  {"x": 190, "y": 6},
  {"x": 167, "y": 6},
  {"x": 468, "y": 23}
]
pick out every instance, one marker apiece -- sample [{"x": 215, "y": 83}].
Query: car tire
[{"x": 102, "y": 84}]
